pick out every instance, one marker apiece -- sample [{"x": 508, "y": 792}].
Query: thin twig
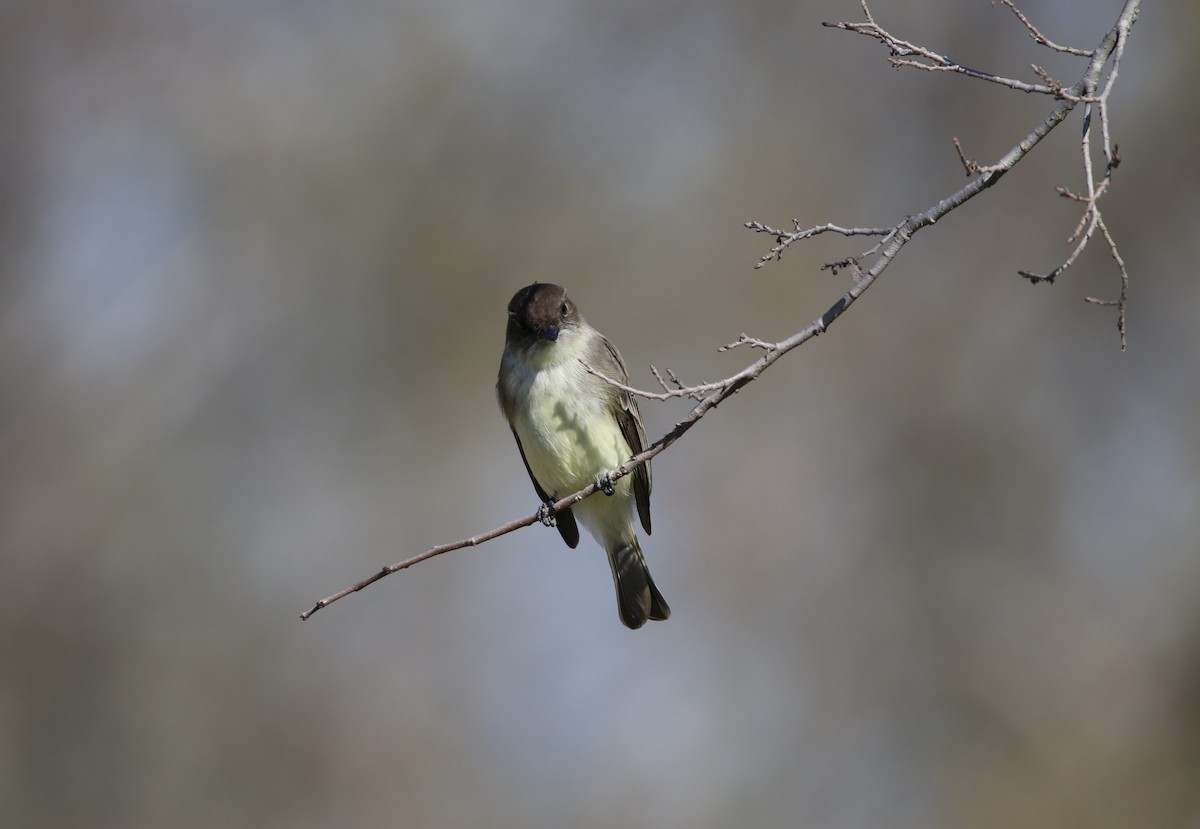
[
  {"x": 667, "y": 393},
  {"x": 784, "y": 238},
  {"x": 1113, "y": 46},
  {"x": 1038, "y": 36},
  {"x": 972, "y": 167},
  {"x": 1122, "y": 301},
  {"x": 906, "y": 54},
  {"x": 753, "y": 342}
]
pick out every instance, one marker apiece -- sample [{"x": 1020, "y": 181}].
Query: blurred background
[{"x": 938, "y": 568}]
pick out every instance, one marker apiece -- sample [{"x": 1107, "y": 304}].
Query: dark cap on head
[{"x": 540, "y": 311}]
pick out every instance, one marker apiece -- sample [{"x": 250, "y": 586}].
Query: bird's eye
[{"x": 563, "y": 308}]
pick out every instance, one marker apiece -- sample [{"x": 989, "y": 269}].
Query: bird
[{"x": 573, "y": 429}]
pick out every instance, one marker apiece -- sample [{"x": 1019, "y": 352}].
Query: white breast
[{"x": 566, "y": 430}]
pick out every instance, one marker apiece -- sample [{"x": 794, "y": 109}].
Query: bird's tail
[{"x": 637, "y": 597}]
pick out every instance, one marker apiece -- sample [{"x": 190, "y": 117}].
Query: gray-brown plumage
[{"x": 572, "y": 428}]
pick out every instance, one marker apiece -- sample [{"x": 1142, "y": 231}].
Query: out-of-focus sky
[{"x": 940, "y": 567}]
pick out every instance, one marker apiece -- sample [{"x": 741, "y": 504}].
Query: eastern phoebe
[{"x": 573, "y": 428}]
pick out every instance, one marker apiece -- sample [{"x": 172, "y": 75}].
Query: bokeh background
[{"x": 940, "y": 567}]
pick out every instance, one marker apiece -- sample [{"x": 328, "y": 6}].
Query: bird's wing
[
  {"x": 625, "y": 410},
  {"x": 563, "y": 519}
]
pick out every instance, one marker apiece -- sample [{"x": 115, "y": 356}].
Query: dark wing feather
[
  {"x": 563, "y": 519},
  {"x": 625, "y": 410}
]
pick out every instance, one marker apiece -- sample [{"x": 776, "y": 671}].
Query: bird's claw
[
  {"x": 605, "y": 484},
  {"x": 545, "y": 514}
]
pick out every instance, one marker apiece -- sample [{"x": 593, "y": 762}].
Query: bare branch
[
  {"x": 785, "y": 238},
  {"x": 1084, "y": 91},
  {"x": 1038, "y": 36},
  {"x": 1113, "y": 46},
  {"x": 667, "y": 393},
  {"x": 504, "y": 529},
  {"x": 972, "y": 167},
  {"x": 730, "y": 387},
  {"x": 1122, "y": 301},
  {"x": 892, "y": 240},
  {"x": 753, "y": 342},
  {"x": 911, "y": 55}
]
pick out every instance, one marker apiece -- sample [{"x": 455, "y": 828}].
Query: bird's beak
[{"x": 551, "y": 333}]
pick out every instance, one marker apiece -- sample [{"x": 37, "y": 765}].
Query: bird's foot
[
  {"x": 605, "y": 483},
  {"x": 545, "y": 514}
]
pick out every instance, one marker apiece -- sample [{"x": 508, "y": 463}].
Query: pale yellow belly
[
  {"x": 570, "y": 437},
  {"x": 569, "y": 440}
]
